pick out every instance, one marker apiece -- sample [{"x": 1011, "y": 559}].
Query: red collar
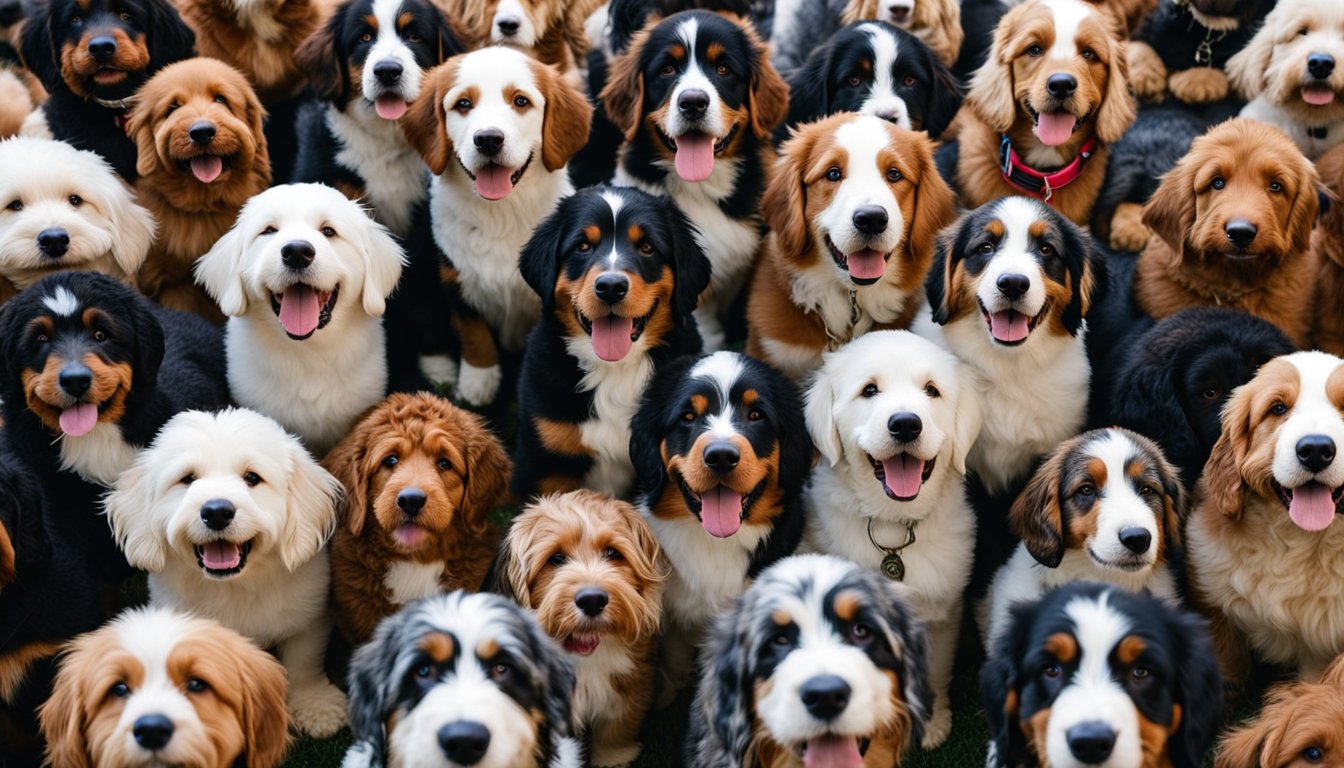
[{"x": 1035, "y": 183}]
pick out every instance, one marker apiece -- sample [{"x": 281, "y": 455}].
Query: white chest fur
[
  {"x": 707, "y": 573},
  {"x": 596, "y": 696},
  {"x": 407, "y": 580},
  {"x": 617, "y": 389},
  {"x": 98, "y": 456},
  {"x": 375, "y": 149}
]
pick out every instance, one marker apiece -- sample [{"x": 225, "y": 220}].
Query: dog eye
[
  {"x": 755, "y": 414},
  {"x": 932, "y": 391},
  {"x": 860, "y": 634},
  {"x": 613, "y": 554},
  {"x": 910, "y": 81},
  {"x": 854, "y": 80},
  {"x": 99, "y": 336},
  {"x": 521, "y": 102},
  {"x": 366, "y": 37},
  {"x": 721, "y": 71},
  {"x": 125, "y": 17},
  {"x": 1035, "y": 50},
  {"x": 1139, "y": 673},
  {"x": 391, "y": 461},
  {"x": 782, "y": 639},
  {"x": 1047, "y": 250},
  {"x": 870, "y": 390},
  {"x": 1278, "y": 409},
  {"x": 833, "y": 174},
  {"x": 1303, "y": 32},
  {"x": 1089, "y": 54},
  {"x": 219, "y": 99},
  {"x": 1210, "y": 394},
  {"x": 668, "y": 70},
  {"x": 584, "y": 246},
  {"x": 252, "y": 479},
  {"x": 120, "y": 690},
  {"x": 425, "y": 672},
  {"x": 1147, "y": 490},
  {"x": 1087, "y": 489},
  {"x": 1275, "y": 186},
  {"x": 894, "y": 175},
  {"x": 172, "y": 108},
  {"x": 688, "y": 416},
  {"x": 1218, "y": 182},
  {"x": 1313, "y": 754},
  {"x": 269, "y": 231},
  {"x": 197, "y": 685},
  {"x": 414, "y": 38},
  {"x": 14, "y": 205},
  {"x": 76, "y": 19},
  {"x": 76, "y": 200},
  {"x": 445, "y": 465},
  {"x": 646, "y": 249},
  {"x": 501, "y": 672},
  {"x": 328, "y": 232},
  {"x": 463, "y": 105},
  {"x": 42, "y": 338},
  {"x": 987, "y": 248},
  {"x": 558, "y": 559},
  {"x": 1052, "y": 671},
  {"x": 187, "y": 479}
]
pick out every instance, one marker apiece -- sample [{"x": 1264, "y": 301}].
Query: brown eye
[
  {"x": 328, "y": 232},
  {"x": 1210, "y": 394},
  {"x": 688, "y": 416},
  {"x": 668, "y": 71},
  {"x": 860, "y": 634},
  {"x": 853, "y": 81},
  {"x": 755, "y": 414},
  {"x": 931, "y": 390},
  {"x": 558, "y": 559},
  {"x": 99, "y": 336},
  {"x": 1052, "y": 671},
  {"x": 1147, "y": 490},
  {"x": 1047, "y": 250},
  {"x": 585, "y": 246},
  {"x": 500, "y": 672},
  {"x": 414, "y": 38},
  {"x": 252, "y": 479},
  {"x": 721, "y": 70},
  {"x": 366, "y": 37},
  {"x": 910, "y": 81},
  {"x": 187, "y": 479},
  {"x": 646, "y": 249},
  {"x": 76, "y": 200},
  {"x": 445, "y": 465}
]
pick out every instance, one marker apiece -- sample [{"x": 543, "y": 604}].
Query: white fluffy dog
[
  {"x": 894, "y": 417},
  {"x": 229, "y": 514},
  {"x": 304, "y": 276}
]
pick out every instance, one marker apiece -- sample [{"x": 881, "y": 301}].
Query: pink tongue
[
  {"x": 1312, "y": 508},
  {"x": 1055, "y": 128},
  {"x": 493, "y": 182},
  {"x": 221, "y": 555},
  {"x": 721, "y": 512},
  {"x": 584, "y": 645},
  {"x": 695, "y": 156},
  {"x": 299, "y": 310},
  {"x": 1317, "y": 96},
  {"x": 867, "y": 264},
  {"x": 207, "y": 168},
  {"x": 904, "y": 475},
  {"x": 832, "y": 752},
  {"x": 1008, "y": 325},
  {"x": 389, "y": 107},
  {"x": 79, "y": 419},
  {"x": 611, "y": 337},
  {"x": 409, "y": 535}
]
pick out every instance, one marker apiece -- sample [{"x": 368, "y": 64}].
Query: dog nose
[
  {"x": 870, "y": 219},
  {"x": 153, "y": 732},
  {"x": 297, "y": 254},
  {"x": 217, "y": 514},
  {"x": 202, "y": 132},
  {"x": 611, "y": 287},
  {"x": 1090, "y": 742},
  {"x": 825, "y": 696},
  {"x": 387, "y": 71},
  {"x": 693, "y": 103},
  {"x": 411, "y": 501},
  {"x": 103, "y": 47},
  {"x": 53, "y": 242},
  {"x": 508, "y": 26},
  {"x": 1061, "y": 85},
  {"x": 592, "y": 601},
  {"x": 1013, "y": 286},
  {"x": 1136, "y": 539},
  {"x": 905, "y": 426},
  {"x": 899, "y": 13},
  {"x": 464, "y": 742},
  {"x": 1240, "y": 232},
  {"x": 1320, "y": 65},
  {"x": 1315, "y": 452},
  {"x": 75, "y": 379},
  {"x": 722, "y": 456},
  {"x": 489, "y": 141}
]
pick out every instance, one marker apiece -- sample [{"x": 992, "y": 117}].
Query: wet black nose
[
  {"x": 1091, "y": 742},
  {"x": 387, "y": 71},
  {"x": 297, "y": 254},
  {"x": 611, "y": 287},
  {"x": 825, "y": 696},
  {"x": 905, "y": 426},
  {"x": 693, "y": 103},
  {"x": 53, "y": 242},
  {"x": 722, "y": 456},
  {"x": 1013, "y": 286},
  {"x": 411, "y": 501},
  {"x": 1061, "y": 85},
  {"x": 103, "y": 47},
  {"x": 592, "y": 601},
  {"x": 899, "y": 14},
  {"x": 508, "y": 26},
  {"x": 489, "y": 141},
  {"x": 464, "y": 742},
  {"x": 75, "y": 379},
  {"x": 202, "y": 132},
  {"x": 1315, "y": 452},
  {"x": 871, "y": 219},
  {"x": 152, "y": 732},
  {"x": 1320, "y": 65},
  {"x": 1240, "y": 232},
  {"x": 217, "y": 514},
  {"x": 1136, "y": 539}
]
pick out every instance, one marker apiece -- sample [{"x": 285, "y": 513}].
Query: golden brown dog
[
  {"x": 256, "y": 36},
  {"x": 936, "y": 22},
  {"x": 1231, "y": 227},
  {"x": 1327, "y": 247},
  {"x": 1301, "y": 724},
  {"x": 551, "y": 31}
]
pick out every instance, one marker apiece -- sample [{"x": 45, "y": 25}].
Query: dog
[
  {"x": 1152, "y": 146},
  {"x": 197, "y": 125},
  {"x": 698, "y": 100},
  {"x": 550, "y": 31},
  {"x": 1045, "y": 108},
  {"x": 304, "y": 277},
  {"x": 1183, "y": 48},
  {"x": 1268, "y": 498},
  {"x": 1291, "y": 72},
  {"x": 20, "y": 92},
  {"x": 894, "y": 418},
  {"x": 1232, "y": 227},
  {"x": 1327, "y": 247},
  {"x": 810, "y": 637},
  {"x": 65, "y": 209},
  {"x": 159, "y": 687},
  {"x": 1094, "y": 675},
  {"x": 618, "y": 273},
  {"x": 1176, "y": 378},
  {"x": 421, "y": 477},
  {"x": 1298, "y": 722},
  {"x": 1106, "y": 507},
  {"x": 591, "y": 570},
  {"x": 229, "y": 514},
  {"x": 92, "y": 57},
  {"x": 854, "y": 206},
  {"x": 800, "y": 28},
  {"x": 496, "y": 129},
  {"x": 462, "y": 678}
]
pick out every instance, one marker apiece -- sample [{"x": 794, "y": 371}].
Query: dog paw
[
  {"x": 1147, "y": 74},
  {"x": 938, "y": 727},
  {"x": 614, "y": 755},
  {"x": 1128, "y": 232},
  {"x": 318, "y": 710},
  {"x": 1199, "y": 85},
  {"x": 440, "y": 369},
  {"x": 478, "y": 386}
]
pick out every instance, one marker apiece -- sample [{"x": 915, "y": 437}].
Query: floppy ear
[
  {"x": 486, "y": 475},
  {"x": 134, "y": 226},
  {"x": 647, "y": 561},
  {"x": 1247, "y": 69},
  {"x": 539, "y": 262},
  {"x": 968, "y": 416},
  {"x": 940, "y": 286},
  {"x": 991, "y": 92},
  {"x": 169, "y": 38},
  {"x": 1117, "y": 110},
  {"x": 62, "y": 715},
  {"x": 564, "y": 127},
  {"x": 1306, "y": 206},
  {"x": 623, "y": 95},
  {"x": 383, "y": 262},
  {"x": 37, "y": 46},
  {"x": 1334, "y": 673},
  {"x": 255, "y": 116},
  {"x": 345, "y": 462},
  {"x": 149, "y": 342},
  {"x": 321, "y": 61},
  {"x": 1170, "y": 212},
  {"x": 1173, "y": 504},
  {"x": 905, "y": 632},
  {"x": 945, "y": 96},
  {"x": 768, "y": 94},
  {"x": 140, "y": 129},
  {"x": 819, "y": 410},
  {"x": 693, "y": 268},
  {"x": 220, "y": 271},
  {"x": 1144, "y": 399},
  {"x": 1037, "y": 516},
  {"x": 310, "y": 515},
  {"x": 726, "y": 695},
  {"x": 646, "y": 429},
  {"x": 1244, "y": 747},
  {"x": 795, "y": 444},
  {"x": 998, "y": 694},
  {"x": 369, "y": 682},
  {"x": 425, "y": 123},
  {"x": 809, "y": 88},
  {"x": 1221, "y": 481},
  {"x": 126, "y": 508},
  {"x": 939, "y": 25},
  {"x": 508, "y": 574},
  {"x": 556, "y": 668},
  {"x": 784, "y": 202},
  {"x": 265, "y": 717},
  {"x": 1199, "y": 693},
  {"x": 1083, "y": 267},
  {"x": 935, "y": 204}
]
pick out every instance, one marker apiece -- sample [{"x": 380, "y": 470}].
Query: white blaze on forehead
[
  {"x": 62, "y": 302},
  {"x": 675, "y": 125},
  {"x": 614, "y": 201},
  {"x": 1312, "y": 414},
  {"x": 1069, "y": 16},
  {"x": 882, "y": 99},
  {"x": 723, "y": 369},
  {"x": 1014, "y": 256}
]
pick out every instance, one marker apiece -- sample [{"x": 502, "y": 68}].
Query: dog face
[
  {"x": 309, "y": 252},
  {"x": 492, "y": 112},
  {"x": 697, "y": 83},
  {"x": 619, "y": 268},
  {"x": 457, "y": 680},
  {"x": 1094, "y": 676},
  {"x": 222, "y": 490},
  {"x": 1242, "y": 200},
  {"x": 65, "y": 208},
  {"x": 1297, "y": 60},
  {"x": 416, "y": 468},
  {"x": 1299, "y": 725},
  {"x": 1279, "y": 436},
  {"x": 522, "y": 23},
  {"x": 154, "y": 687}
]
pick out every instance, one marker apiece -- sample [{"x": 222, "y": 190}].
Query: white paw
[
  {"x": 318, "y": 709},
  {"x": 940, "y": 725},
  {"x": 440, "y": 369},
  {"x": 478, "y": 386},
  {"x": 611, "y": 756}
]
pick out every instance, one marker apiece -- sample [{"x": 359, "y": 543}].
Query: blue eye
[
  {"x": 120, "y": 690},
  {"x": 833, "y": 174},
  {"x": 1313, "y": 754}
]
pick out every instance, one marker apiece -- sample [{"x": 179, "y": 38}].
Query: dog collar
[
  {"x": 1318, "y": 132},
  {"x": 117, "y": 104},
  {"x": 1040, "y": 185}
]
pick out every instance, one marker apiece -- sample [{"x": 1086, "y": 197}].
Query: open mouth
[
  {"x": 221, "y": 559},
  {"x": 1318, "y": 94},
  {"x": 1128, "y": 565},
  {"x": 614, "y": 335},
  {"x": 865, "y": 266},
  {"x": 720, "y": 509},
  {"x": 303, "y": 309},
  {"x": 206, "y": 168},
  {"x": 390, "y": 106},
  {"x": 495, "y": 182},
  {"x": 1311, "y": 505},
  {"x": 583, "y": 643},
  {"x": 79, "y": 419},
  {"x": 695, "y": 152},
  {"x": 902, "y": 475},
  {"x": 1053, "y": 128},
  {"x": 835, "y": 751},
  {"x": 108, "y": 75},
  {"x": 409, "y": 536},
  {"x": 1010, "y": 327}
]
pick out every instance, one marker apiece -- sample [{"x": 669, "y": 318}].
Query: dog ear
[
  {"x": 62, "y": 716},
  {"x": 559, "y": 678},
  {"x": 140, "y": 129},
  {"x": 998, "y": 696},
  {"x": 1037, "y": 516},
  {"x": 169, "y": 39},
  {"x": 254, "y": 114},
  {"x": 369, "y": 683},
  {"x": 149, "y": 341},
  {"x": 1246, "y": 746},
  {"x": 132, "y": 526},
  {"x": 968, "y": 415},
  {"x": 568, "y": 117},
  {"x": 1221, "y": 480},
  {"x": 784, "y": 202},
  {"x": 646, "y": 429},
  {"x": 1083, "y": 271},
  {"x": 940, "y": 22},
  {"x": 1197, "y": 711},
  {"x": 486, "y": 476},
  {"x": 539, "y": 262},
  {"x": 945, "y": 95},
  {"x": 1144, "y": 399},
  {"x": 991, "y": 92},
  {"x": 768, "y": 94},
  {"x": 1306, "y": 205},
  {"x": 134, "y": 226},
  {"x": 819, "y": 411},
  {"x": 623, "y": 95},
  {"x": 940, "y": 286},
  {"x": 905, "y": 632},
  {"x": 1334, "y": 673},
  {"x": 265, "y": 717},
  {"x": 1117, "y": 111},
  {"x": 935, "y": 202},
  {"x": 694, "y": 271},
  {"x": 321, "y": 61},
  {"x": 346, "y": 462},
  {"x": 1247, "y": 69},
  {"x": 37, "y": 45},
  {"x": 508, "y": 574},
  {"x": 383, "y": 262},
  {"x": 725, "y": 707},
  {"x": 1173, "y": 502},
  {"x": 425, "y": 123},
  {"x": 1170, "y": 212},
  {"x": 810, "y": 89},
  {"x": 795, "y": 444},
  {"x": 220, "y": 271},
  {"x": 310, "y": 513}
]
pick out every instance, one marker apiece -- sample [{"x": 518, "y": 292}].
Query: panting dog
[
  {"x": 229, "y": 514},
  {"x": 1094, "y": 675},
  {"x": 1300, "y": 723},
  {"x": 591, "y": 570},
  {"x": 158, "y": 687},
  {"x": 1327, "y": 245},
  {"x": 800, "y": 28},
  {"x": 421, "y": 478},
  {"x": 461, "y": 679},
  {"x": 698, "y": 100},
  {"x": 854, "y": 207},
  {"x": 618, "y": 273},
  {"x": 820, "y": 663},
  {"x": 894, "y": 417}
]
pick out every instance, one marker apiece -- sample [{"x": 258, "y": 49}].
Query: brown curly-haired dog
[
  {"x": 1301, "y": 723},
  {"x": 1327, "y": 245},
  {"x": 421, "y": 476}
]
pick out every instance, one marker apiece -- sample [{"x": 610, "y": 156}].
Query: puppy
[
  {"x": 65, "y": 209},
  {"x": 618, "y": 273},
  {"x": 304, "y": 277},
  {"x": 591, "y": 569},
  {"x": 1268, "y": 500},
  {"x": 697, "y": 100},
  {"x": 550, "y": 31},
  {"x": 1184, "y": 48},
  {"x": 197, "y": 126},
  {"x": 800, "y": 28},
  {"x": 1152, "y": 146},
  {"x": 1292, "y": 72},
  {"x": 1106, "y": 506},
  {"x": 461, "y": 679},
  {"x": 159, "y": 687},
  {"x": 1299, "y": 723},
  {"x": 1093, "y": 675},
  {"x": 1232, "y": 227},
  {"x": 829, "y": 667},
  {"x": 421, "y": 477},
  {"x": 229, "y": 515},
  {"x": 1327, "y": 247},
  {"x": 894, "y": 418},
  {"x": 1045, "y": 107},
  {"x": 853, "y": 208}
]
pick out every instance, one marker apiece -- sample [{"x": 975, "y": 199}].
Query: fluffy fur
[
  {"x": 1152, "y": 146},
  {"x": 1300, "y": 722},
  {"x": 550, "y": 31},
  {"x": 799, "y": 28},
  {"x": 1165, "y": 55},
  {"x": 1327, "y": 246}
]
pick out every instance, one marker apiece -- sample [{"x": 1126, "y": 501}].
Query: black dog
[{"x": 1159, "y": 137}]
